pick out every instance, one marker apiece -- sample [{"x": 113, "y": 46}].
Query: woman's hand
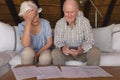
[
  {"x": 29, "y": 15},
  {"x": 36, "y": 58}
]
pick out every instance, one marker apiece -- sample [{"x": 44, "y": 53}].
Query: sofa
[{"x": 107, "y": 39}]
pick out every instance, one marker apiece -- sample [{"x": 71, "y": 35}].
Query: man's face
[{"x": 70, "y": 13}]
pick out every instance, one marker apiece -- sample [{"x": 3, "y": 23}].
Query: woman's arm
[{"x": 47, "y": 45}]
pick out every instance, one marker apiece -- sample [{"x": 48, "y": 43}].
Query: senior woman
[{"x": 35, "y": 34}]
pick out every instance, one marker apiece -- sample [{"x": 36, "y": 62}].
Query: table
[{"x": 113, "y": 70}]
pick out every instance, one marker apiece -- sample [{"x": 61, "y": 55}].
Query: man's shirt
[{"x": 80, "y": 35}]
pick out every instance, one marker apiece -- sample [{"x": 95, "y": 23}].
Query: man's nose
[{"x": 69, "y": 14}]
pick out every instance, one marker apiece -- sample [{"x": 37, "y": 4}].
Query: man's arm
[
  {"x": 59, "y": 39},
  {"x": 58, "y": 36},
  {"x": 89, "y": 40}
]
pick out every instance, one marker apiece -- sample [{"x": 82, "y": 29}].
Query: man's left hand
[{"x": 75, "y": 52}]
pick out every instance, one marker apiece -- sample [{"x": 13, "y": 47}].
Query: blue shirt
[{"x": 39, "y": 40}]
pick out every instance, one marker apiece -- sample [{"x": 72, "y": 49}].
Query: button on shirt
[
  {"x": 39, "y": 40},
  {"x": 80, "y": 35}
]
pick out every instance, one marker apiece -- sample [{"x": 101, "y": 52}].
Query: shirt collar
[{"x": 68, "y": 23}]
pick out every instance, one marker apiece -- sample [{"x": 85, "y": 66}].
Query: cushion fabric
[
  {"x": 103, "y": 38},
  {"x": 74, "y": 63},
  {"x": 116, "y": 38},
  {"x": 7, "y": 37},
  {"x": 111, "y": 59},
  {"x": 3, "y": 69},
  {"x": 15, "y": 61},
  {"x": 4, "y": 58}
]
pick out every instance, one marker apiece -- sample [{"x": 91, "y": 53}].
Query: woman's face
[
  {"x": 32, "y": 16},
  {"x": 36, "y": 19}
]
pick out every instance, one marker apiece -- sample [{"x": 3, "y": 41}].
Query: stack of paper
[
  {"x": 47, "y": 72},
  {"x": 83, "y": 72},
  {"x": 26, "y": 72}
]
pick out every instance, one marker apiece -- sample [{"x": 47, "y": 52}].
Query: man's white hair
[{"x": 76, "y": 4}]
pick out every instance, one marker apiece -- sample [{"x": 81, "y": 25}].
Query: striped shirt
[{"x": 80, "y": 35}]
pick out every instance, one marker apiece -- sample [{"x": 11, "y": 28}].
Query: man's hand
[
  {"x": 73, "y": 52},
  {"x": 77, "y": 51},
  {"x": 66, "y": 50}
]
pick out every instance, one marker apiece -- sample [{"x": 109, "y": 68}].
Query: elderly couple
[{"x": 73, "y": 38}]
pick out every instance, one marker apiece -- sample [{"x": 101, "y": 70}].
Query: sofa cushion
[
  {"x": 4, "y": 58},
  {"x": 15, "y": 61},
  {"x": 3, "y": 69},
  {"x": 7, "y": 37},
  {"x": 116, "y": 38},
  {"x": 103, "y": 38},
  {"x": 74, "y": 63},
  {"x": 111, "y": 59}
]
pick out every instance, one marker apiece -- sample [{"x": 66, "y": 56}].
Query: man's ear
[{"x": 78, "y": 10}]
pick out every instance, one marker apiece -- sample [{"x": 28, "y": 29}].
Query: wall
[{"x": 52, "y": 11}]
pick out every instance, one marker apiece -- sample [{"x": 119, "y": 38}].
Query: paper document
[
  {"x": 73, "y": 72},
  {"x": 83, "y": 72},
  {"x": 49, "y": 72},
  {"x": 26, "y": 72},
  {"x": 96, "y": 71}
]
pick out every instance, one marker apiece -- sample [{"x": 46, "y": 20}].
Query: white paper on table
[
  {"x": 83, "y": 72},
  {"x": 96, "y": 71},
  {"x": 74, "y": 72},
  {"x": 49, "y": 72},
  {"x": 26, "y": 72}
]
